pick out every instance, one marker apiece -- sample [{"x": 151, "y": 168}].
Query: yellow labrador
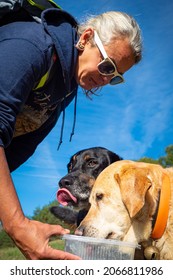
[{"x": 132, "y": 201}]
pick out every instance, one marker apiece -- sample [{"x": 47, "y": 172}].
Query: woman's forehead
[{"x": 121, "y": 53}]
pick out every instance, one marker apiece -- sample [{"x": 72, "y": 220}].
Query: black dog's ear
[
  {"x": 67, "y": 215},
  {"x": 72, "y": 162},
  {"x": 114, "y": 157},
  {"x": 81, "y": 215}
]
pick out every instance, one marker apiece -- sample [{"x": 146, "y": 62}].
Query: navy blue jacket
[{"x": 27, "y": 49}]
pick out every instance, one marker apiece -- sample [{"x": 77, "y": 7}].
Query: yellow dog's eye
[{"x": 99, "y": 196}]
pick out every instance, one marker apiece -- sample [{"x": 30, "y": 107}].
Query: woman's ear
[
  {"x": 85, "y": 38},
  {"x": 88, "y": 34}
]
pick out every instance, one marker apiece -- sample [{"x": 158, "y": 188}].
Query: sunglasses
[{"x": 106, "y": 67}]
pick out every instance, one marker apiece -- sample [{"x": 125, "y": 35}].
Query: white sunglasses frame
[{"x": 106, "y": 57}]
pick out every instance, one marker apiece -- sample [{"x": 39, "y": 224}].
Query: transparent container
[{"x": 89, "y": 248}]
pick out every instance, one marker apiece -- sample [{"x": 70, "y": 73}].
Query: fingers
[
  {"x": 61, "y": 255},
  {"x": 57, "y": 254},
  {"x": 57, "y": 230},
  {"x": 27, "y": 242},
  {"x": 54, "y": 254}
]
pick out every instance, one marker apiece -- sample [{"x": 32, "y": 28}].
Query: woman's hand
[{"x": 32, "y": 238}]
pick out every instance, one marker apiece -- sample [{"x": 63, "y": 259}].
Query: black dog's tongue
[{"x": 64, "y": 197}]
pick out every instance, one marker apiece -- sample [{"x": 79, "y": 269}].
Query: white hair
[{"x": 112, "y": 25}]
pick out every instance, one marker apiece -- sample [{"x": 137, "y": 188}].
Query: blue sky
[{"x": 134, "y": 119}]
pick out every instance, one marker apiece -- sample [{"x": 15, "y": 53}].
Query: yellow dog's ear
[{"x": 133, "y": 183}]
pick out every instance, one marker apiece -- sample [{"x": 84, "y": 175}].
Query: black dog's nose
[{"x": 65, "y": 182}]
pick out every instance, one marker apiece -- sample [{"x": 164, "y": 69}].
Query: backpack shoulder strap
[{"x": 35, "y": 7}]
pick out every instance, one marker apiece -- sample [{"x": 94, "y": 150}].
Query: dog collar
[{"x": 163, "y": 208}]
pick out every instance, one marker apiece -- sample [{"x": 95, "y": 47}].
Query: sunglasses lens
[
  {"x": 106, "y": 67},
  {"x": 116, "y": 80}
]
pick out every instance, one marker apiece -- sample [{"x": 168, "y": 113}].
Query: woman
[{"x": 42, "y": 64}]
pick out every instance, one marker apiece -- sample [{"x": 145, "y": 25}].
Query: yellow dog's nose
[{"x": 79, "y": 231}]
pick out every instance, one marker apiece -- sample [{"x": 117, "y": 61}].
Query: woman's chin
[{"x": 86, "y": 85}]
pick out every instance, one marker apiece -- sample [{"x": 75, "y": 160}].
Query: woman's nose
[{"x": 105, "y": 79}]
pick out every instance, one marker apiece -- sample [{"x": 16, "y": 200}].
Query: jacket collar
[{"x": 61, "y": 26}]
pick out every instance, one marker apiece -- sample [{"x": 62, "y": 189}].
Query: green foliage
[
  {"x": 165, "y": 161},
  {"x": 11, "y": 253},
  {"x": 45, "y": 216},
  {"x": 57, "y": 244},
  {"x": 40, "y": 214},
  {"x": 5, "y": 240},
  {"x": 15, "y": 254},
  {"x": 149, "y": 160}
]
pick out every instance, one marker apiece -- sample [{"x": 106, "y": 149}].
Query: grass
[{"x": 13, "y": 253}]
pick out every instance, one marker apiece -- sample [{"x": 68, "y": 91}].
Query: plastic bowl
[{"x": 89, "y": 248}]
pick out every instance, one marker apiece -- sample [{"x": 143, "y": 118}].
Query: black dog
[{"x": 75, "y": 187}]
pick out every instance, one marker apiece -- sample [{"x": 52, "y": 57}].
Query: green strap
[
  {"x": 43, "y": 4},
  {"x": 42, "y": 81},
  {"x": 46, "y": 76},
  {"x": 54, "y": 4}
]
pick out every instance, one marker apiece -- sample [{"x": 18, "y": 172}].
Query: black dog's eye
[
  {"x": 91, "y": 163},
  {"x": 99, "y": 196}
]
